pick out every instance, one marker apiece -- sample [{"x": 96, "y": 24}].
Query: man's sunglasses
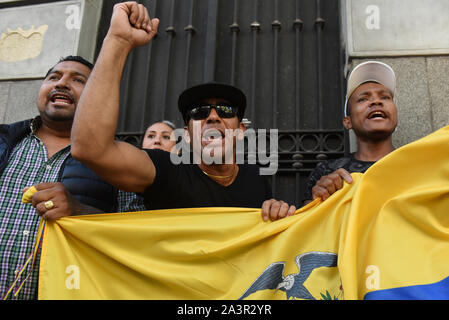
[{"x": 202, "y": 112}]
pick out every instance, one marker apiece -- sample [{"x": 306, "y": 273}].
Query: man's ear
[
  {"x": 241, "y": 134},
  {"x": 347, "y": 123}
]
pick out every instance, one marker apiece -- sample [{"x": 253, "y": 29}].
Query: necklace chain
[{"x": 219, "y": 177}]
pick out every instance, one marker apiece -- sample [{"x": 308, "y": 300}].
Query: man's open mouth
[
  {"x": 61, "y": 98},
  {"x": 377, "y": 115},
  {"x": 212, "y": 135}
]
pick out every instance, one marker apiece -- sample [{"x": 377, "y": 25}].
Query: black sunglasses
[{"x": 202, "y": 112}]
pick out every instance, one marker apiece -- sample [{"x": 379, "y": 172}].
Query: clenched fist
[{"x": 131, "y": 24}]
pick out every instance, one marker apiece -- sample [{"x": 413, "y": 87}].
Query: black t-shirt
[
  {"x": 324, "y": 168},
  {"x": 186, "y": 186}
]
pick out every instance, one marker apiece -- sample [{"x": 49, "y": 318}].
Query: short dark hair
[{"x": 72, "y": 58}]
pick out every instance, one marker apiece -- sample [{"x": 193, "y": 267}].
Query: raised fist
[{"x": 131, "y": 24}]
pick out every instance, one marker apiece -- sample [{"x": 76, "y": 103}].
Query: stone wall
[{"x": 32, "y": 39}]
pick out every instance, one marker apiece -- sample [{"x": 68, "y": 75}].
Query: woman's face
[{"x": 159, "y": 136}]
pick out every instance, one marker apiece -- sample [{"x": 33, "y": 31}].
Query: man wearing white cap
[{"x": 371, "y": 113}]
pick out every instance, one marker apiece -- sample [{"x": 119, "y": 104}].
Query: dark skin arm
[{"x": 94, "y": 126}]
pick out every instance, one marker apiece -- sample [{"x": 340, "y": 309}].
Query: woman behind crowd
[{"x": 159, "y": 135}]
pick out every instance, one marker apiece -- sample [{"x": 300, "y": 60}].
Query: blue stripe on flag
[{"x": 434, "y": 291}]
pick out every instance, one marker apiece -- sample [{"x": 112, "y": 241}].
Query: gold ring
[{"x": 49, "y": 205}]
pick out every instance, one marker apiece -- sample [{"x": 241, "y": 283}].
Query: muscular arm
[{"x": 94, "y": 127}]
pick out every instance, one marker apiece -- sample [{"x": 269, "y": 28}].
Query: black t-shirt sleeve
[{"x": 165, "y": 169}]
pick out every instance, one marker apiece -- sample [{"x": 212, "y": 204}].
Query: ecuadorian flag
[
  {"x": 204, "y": 253},
  {"x": 385, "y": 236},
  {"x": 396, "y": 243}
]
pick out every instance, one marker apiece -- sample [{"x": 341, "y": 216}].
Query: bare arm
[{"x": 95, "y": 123}]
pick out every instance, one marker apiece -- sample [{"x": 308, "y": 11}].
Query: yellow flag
[
  {"x": 204, "y": 253},
  {"x": 396, "y": 244},
  {"x": 385, "y": 236}
]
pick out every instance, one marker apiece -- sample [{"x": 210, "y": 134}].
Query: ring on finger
[{"x": 49, "y": 204}]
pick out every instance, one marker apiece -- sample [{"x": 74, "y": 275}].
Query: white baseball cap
[{"x": 370, "y": 71}]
